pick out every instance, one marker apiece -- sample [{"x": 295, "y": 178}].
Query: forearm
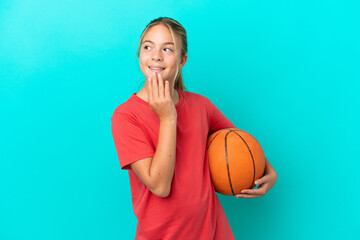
[
  {"x": 268, "y": 167},
  {"x": 163, "y": 163}
]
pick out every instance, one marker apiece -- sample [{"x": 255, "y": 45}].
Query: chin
[{"x": 164, "y": 76}]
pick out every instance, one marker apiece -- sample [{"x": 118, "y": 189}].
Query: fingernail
[{"x": 256, "y": 182}]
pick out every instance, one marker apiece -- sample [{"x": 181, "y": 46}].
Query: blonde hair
[{"x": 179, "y": 30}]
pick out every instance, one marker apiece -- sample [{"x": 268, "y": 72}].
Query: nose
[{"x": 157, "y": 55}]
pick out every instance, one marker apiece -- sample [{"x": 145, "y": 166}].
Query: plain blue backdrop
[{"x": 285, "y": 71}]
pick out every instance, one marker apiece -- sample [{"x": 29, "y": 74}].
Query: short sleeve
[
  {"x": 130, "y": 140},
  {"x": 217, "y": 119}
]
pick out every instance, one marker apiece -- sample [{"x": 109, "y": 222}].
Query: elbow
[
  {"x": 162, "y": 192},
  {"x": 163, "y": 195}
]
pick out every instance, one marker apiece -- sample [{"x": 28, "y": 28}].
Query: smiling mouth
[{"x": 156, "y": 68}]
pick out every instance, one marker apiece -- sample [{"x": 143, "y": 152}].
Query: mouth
[{"x": 156, "y": 69}]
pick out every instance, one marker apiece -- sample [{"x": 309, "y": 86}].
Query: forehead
[{"x": 158, "y": 34}]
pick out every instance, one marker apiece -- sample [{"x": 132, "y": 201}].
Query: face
[{"x": 157, "y": 53}]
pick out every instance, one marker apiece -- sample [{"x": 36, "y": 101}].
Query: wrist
[{"x": 172, "y": 119}]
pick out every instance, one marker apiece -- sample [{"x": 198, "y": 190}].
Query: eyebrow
[{"x": 166, "y": 43}]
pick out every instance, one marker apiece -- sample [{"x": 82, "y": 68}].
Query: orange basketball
[{"x": 236, "y": 160}]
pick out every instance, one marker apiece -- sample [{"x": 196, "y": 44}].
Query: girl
[{"x": 160, "y": 135}]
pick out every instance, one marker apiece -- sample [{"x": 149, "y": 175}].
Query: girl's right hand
[{"x": 160, "y": 100}]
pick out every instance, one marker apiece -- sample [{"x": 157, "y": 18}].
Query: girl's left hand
[{"x": 266, "y": 182}]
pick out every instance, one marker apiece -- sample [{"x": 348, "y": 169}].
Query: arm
[
  {"x": 157, "y": 172},
  {"x": 265, "y": 183},
  {"x": 269, "y": 169},
  {"x": 163, "y": 163}
]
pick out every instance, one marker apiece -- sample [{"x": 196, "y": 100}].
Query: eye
[
  {"x": 146, "y": 47},
  {"x": 170, "y": 50}
]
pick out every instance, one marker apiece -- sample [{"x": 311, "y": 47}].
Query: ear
[{"x": 183, "y": 60}]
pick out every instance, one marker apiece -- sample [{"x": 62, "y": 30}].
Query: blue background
[{"x": 285, "y": 71}]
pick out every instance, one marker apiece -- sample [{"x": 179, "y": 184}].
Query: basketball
[{"x": 236, "y": 160}]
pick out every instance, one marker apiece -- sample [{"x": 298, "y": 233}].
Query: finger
[
  {"x": 245, "y": 196},
  {"x": 262, "y": 180},
  {"x": 161, "y": 86},
  {"x": 253, "y": 191},
  {"x": 149, "y": 88},
  {"x": 167, "y": 89},
  {"x": 154, "y": 81}
]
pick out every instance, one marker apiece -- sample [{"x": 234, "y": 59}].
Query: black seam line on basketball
[
  {"x": 237, "y": 130},
  {"x": 227, "y": 163},
  {"x": 252, "y": 157},
  {"x": 214, "y": 138}
]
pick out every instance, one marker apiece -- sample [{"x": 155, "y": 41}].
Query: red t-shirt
[{"x": 192, "y": 211}]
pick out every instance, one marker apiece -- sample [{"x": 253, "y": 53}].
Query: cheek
[
  {"x": 142, "y": 59},
  {"x": 143, "y": 64},
  {"x": 143, "y": 56},
  {"x": 172, "y": 62}
]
